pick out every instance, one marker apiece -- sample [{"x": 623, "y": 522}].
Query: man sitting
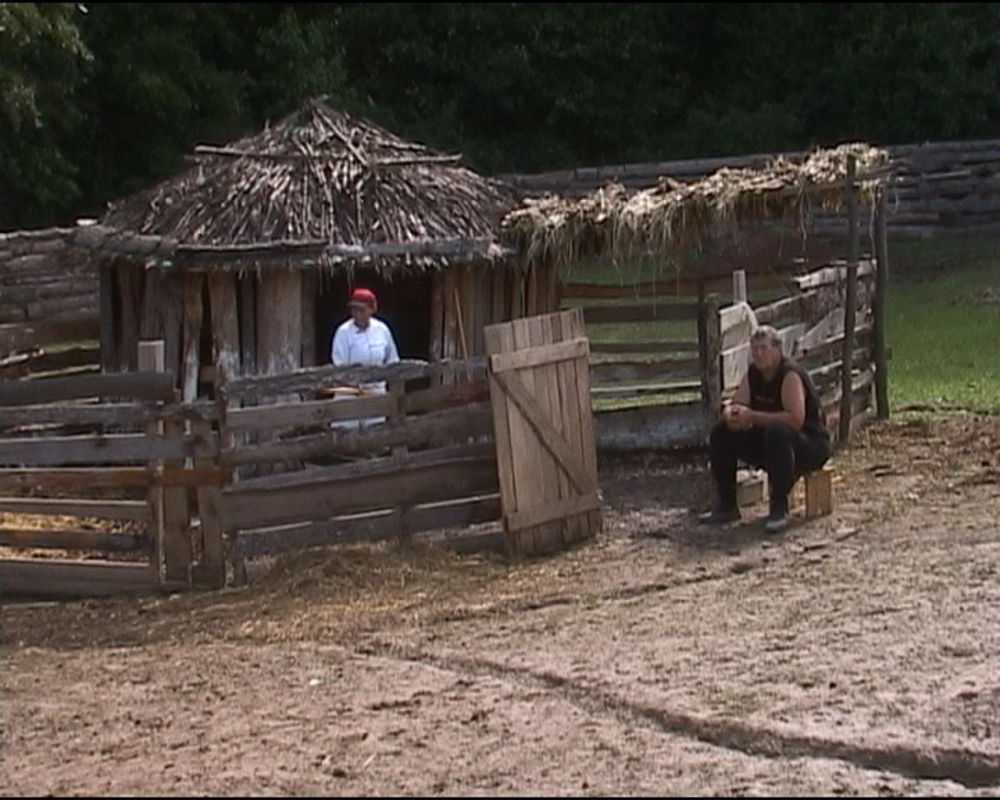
[{"x": 775, "y": 422}]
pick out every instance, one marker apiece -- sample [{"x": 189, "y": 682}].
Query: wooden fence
[
  {"x": 687, "y": 378},
  {"x": 154, "y": 492},
  {"x": 103, "y": 480}
]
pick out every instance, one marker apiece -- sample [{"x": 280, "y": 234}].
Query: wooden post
[
  {"x": 739, "y": 286},
  {"x": 193, "y": 311},
  {"x": 310, "y": 291},
  {"x": 881, "y": 300},
  {"x": 850, "y": 302},
  {"x": 108, "y": 323},
  {"x": 710, "y": 356},
  {"x": 150, "y": 359},
  {"x": 248, "y": 326}
]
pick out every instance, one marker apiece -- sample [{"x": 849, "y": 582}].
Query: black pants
[{"x": 782, "y": 451}]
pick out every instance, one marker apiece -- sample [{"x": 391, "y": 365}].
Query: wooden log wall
[
  {"x": 48, "y": 305},
  {"x": 940, "y": 186}
]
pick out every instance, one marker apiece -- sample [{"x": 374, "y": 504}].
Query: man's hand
[{"x": 736, "y": 416}]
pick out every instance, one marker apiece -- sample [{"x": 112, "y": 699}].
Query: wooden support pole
[
  {"x": 710, "y": 358},
  {"x": 108, "y": 323},
  {"x": 881, "y": 301},
  {"x": 739, "y": 286},
  {"x": 150, "y": 358},
  {"x": 850, "y": 302}
]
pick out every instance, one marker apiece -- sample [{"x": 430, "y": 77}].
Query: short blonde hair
[{"x": 769, "y": 334}]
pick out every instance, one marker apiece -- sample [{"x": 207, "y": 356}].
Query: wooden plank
[
  {"x": 739, "y": 286},
  {"x": 193, "y": 312},
  {"x": 367, "y": 467},
  {"x": 130, "y": 300},
  {"x": 316, "y": 500},
  {"x": 108, "y": 320},
  {"x": 565, "y": 410},
  {"x": 549, "y": 536},
  {"x": 538, "y": 355},
  {"x": 440, "y": 397},
  {"x": 497, "y": 338},
  {"x": 833, "y": 274},
  {"x": 20, "y": 366},
  {"x": 535, "y": 416},
  {"x": 436, "y": 429},
  {"x": 665, "y": 288},
  {"x": 529, "y": 460},
  {"x": 768, "y": 314},
  {"x": 643, "y": 347},
  {"x": 60, "y": 578},
  {"x": 437, "y": 317},
  {"x": 310, "y": 413},
  {"x": 106, "y": 509},
  {"x": 90, "y": 478},
  {"x": 211, "y": 571},
  {"x": 683, "y": 387},
  {"x": 449, "y": 342},
  {"x": 225, "y": 325},
  {"x": 316, "y": 378},
  {"x": 310, "y": 292},
  {"x": 579, "y": 504},
  {"x": 710, "y": 338},
  {"x": 279, "y": 335},
  {"x": 136, "y": 385},
  {"x": 594, "y": 315},
  {"x": 112, "y": 449},
  {"x": 500, "y": 306},
  {"x": 30, "y": 539},
  {"x": 382, "y": 525},
  {"x": 246, "y": 287},
  {"x": 22, "y": 335},
  {"x": 850, "y": 302},
  {"x": 644, "y": 370},
  {"x": 879, "y": 307},
  {"x": 119, "y": 415},
  {"x": 151, "y": 357}
]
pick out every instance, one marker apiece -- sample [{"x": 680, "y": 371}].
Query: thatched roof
[
  {"x": 673, "y": 217},
  {"x": 324, "y": 188}
]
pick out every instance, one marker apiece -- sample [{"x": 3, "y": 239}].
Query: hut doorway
[{"x": 404, "y": 304}]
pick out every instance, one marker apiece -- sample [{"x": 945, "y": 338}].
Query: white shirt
[{"x": 373, "y": 346}]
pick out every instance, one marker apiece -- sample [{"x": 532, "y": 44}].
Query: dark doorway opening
[{"x": 403, "y": 304}]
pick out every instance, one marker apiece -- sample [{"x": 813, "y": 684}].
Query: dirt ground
[{"x": 855, "y": 654}]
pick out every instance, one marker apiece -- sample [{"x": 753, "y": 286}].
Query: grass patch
[{"x": 944, "y": 324}]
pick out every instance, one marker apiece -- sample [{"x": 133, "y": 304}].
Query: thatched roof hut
[
  {"x": 671, "y": 218},
  {"x": 245, "y": 259}
]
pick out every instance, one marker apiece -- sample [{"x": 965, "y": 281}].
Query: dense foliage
[{"x": 100, "y": 99}]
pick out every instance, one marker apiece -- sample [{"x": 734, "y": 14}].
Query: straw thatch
[
  {"x": 673, "y": 217},
  {"x": 321, "y": 177}
]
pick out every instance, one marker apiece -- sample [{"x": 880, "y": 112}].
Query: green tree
[{"x": 42, "y": 57}]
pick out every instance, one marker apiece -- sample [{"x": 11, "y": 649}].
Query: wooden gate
[{"x": 539, "y": 378}]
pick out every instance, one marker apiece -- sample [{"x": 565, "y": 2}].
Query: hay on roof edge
[{"x": 672, "y": 217}]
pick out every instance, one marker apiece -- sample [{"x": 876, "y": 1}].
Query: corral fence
[
  {"x": 148, "y": 492},
  {"x": 651, "y": 392}
]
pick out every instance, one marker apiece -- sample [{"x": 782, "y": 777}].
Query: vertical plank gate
[{"x": 539, "y": 378}]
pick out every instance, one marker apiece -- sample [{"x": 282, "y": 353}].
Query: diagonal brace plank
[{"x": 550, "y": 437}]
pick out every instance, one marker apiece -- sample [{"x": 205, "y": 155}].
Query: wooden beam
[
  {"x": 318, "y": 501},
  {"x": 535, "y": 356},
  {"x": 136, "y": 385},
  {"x": 850, "y": 302},
  {"x": 109, "y": 449},
  {"x": 105, "y": 509},
  {"x": 29, "y": 539},
  {"x": 579, "y": 504},
  {"x": 594, "y": 315},
  {"x": 879, "y": 307},
  {"x": 62, "y": 578}
]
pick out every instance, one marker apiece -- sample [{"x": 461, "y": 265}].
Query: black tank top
[{"x": 766, "y": 395}]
